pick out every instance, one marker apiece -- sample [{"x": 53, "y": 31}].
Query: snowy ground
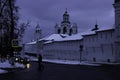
[
  {"x": 71, "y": 62},
  {"x": 3, "y": 71},
  {"x": 74, "y": 62},
  {"x": 7, "y": 65},
  {"x": 65, "y": 62}
]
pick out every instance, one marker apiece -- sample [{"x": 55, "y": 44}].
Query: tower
[
  {"x": 117, "y": 29},
  {"x": 57, "y": 29},
  {"x": 96, "y": 27},
  {"x": 65, "y": 24},
  {"x": 66, "y": 18},
  {"x": 117, "y": 19},
  {"x": 65, "y": 27},
  {"x": 74, "y": 28},
  {"x": 37, "y": 34}
]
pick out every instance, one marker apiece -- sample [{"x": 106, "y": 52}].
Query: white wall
[
  {"x": 30, "y": 48},
  {"x": 63, "y": 50},
  {"x": 99, "y": 46}
]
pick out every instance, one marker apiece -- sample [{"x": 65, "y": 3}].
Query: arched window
[
  {"x": 70, "y": 32},
  {"x": 64, "y": 30}
]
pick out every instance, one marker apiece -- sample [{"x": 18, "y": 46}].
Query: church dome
[{"x": 66, "y": 14}]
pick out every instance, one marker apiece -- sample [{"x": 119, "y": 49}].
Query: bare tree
[
  {"x": 8, "y": 22},
  {"x": 21, "y": 29}
]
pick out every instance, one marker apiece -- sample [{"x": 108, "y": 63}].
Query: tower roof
[
  {"x": 96, "y": 27},
  {"x": 66, "y": 13},
  {"x": 38, "y": 26},
  {"x": 66, "y": 17}
]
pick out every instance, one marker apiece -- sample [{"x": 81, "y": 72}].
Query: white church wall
[
  {"x": 99, "y": 47},
  {"x": 65, "y": 50},
  {"x": 30, "y": 49},
  {"x": 106, "y": 37}
]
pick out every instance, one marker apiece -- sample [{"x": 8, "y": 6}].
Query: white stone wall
[
  {"x": 96, "y": 47},
  {"x": 30, "y": 48},
  {"x": 100, "y": 46},
  {"x": 65, "y": 50}
]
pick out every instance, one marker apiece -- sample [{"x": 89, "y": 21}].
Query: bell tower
[
  {"x": 117, "y": 19},
  {"x": 66, "y": 17},
  {"x": 37, "y": 33},
  {"x": 117, "y": 30},
  {"x": 65, "y": 24},
  {"x": 65, "y": 27}
]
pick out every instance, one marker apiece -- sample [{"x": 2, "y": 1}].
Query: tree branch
[{"x": 3, "y": 7}]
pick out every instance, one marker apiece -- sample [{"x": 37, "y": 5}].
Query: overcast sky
[{"x": 83, "y": 12}]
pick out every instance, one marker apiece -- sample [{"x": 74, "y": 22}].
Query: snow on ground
[
  {"x": 74, "y": 62},
  {"x": 7, "y": 65},
  {"x": 108, "y": 63},
  {"x": 78, "y": 62},
  {"x": 70, "y": 62},
  {"x": 65, "y": 62},
  {"x": 3, "y": 71}
]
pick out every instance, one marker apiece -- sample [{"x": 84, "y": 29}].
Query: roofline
[
  {"x": 89, "y": 34},
  {"x": 99, "y": 31},
  {"x": 69, "y": 40},
  {"x": 105, "y": 30}
]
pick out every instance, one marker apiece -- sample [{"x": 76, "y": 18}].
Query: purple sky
[{"x": 82, "y": 12}]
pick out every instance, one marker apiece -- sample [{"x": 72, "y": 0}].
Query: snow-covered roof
[
  {"x": 88, "y": 32},
  {"x": 54, "y": 37},
  {"x": 34, "y": 42},
  {"x": 105, "y": 28},
  {"x": 72, "y": 37},
  {"x": 48, "y": 42},
  {"x": 65, "y": 37}
]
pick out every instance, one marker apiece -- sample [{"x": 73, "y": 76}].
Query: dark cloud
[{"x": 83, "y": 12}]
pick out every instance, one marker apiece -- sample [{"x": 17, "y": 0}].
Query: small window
[
  {"x": 89, "y": 39},
  {"x": 101, "y": 35},
  {"x": 64, "y": 30},
  {"x": 93, "y": 39},
  {"x": 108, "y": 60},
  {"x": 86, "y": 39},
  {"x": 94, "y": 59},
  {"x": 111, "y": 34},
  {"x": 106, "y": 35},
  {"x": 70, "y": 32}
]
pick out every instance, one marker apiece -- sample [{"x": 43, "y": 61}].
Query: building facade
[{"x": 99, "y": 47}]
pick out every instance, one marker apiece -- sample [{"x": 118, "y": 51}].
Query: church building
[{"x": 94, "y": 45}]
